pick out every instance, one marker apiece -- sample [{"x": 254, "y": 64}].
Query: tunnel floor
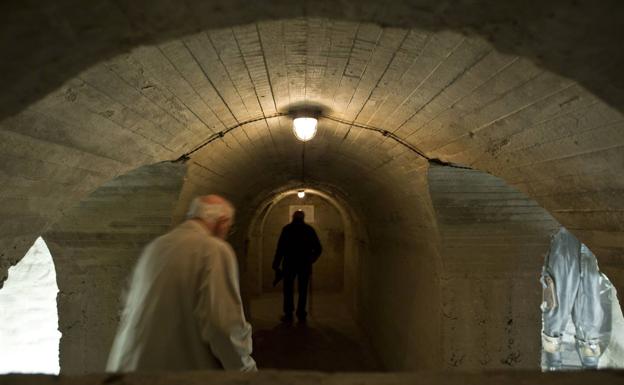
[{"x": 329, "y": 341}]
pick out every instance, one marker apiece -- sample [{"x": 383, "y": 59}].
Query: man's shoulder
[
  {"x": 180, "y": 234},
  {"x": 298, "y": 227},
  {"x": 218, "y": 243},
  {"x": 191, "y": 237},
  {"x": 289, "y": 228},
  {"x": 215, "y": 247},
  {"x": 309, "y": 227}
]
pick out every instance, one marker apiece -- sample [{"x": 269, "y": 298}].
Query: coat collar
[{"x": 194, "y": 225}]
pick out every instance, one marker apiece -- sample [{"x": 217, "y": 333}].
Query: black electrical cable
[
  {"x": 383, "y": 132},
  {"x": 397, "y": 139},
  {"x": 186, "y": 156}
]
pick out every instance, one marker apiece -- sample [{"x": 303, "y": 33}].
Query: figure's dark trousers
[{"x": 303, "y": 280}]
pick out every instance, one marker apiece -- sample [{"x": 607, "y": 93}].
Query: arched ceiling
[
  {"x": 47, "y": 44},
  {"x": 454, "y": 96}
]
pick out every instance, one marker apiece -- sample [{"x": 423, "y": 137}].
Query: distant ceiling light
[
  {"x": 301, "y": 194},
  {"x": 305, "y": 128}
]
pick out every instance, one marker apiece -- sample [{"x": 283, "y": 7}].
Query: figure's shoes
[
  {"x": 553, "y": 361},
  {"x": 287, "y": 318},
  {"x": 589, "y": 352}
]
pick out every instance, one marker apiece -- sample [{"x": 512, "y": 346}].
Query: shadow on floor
[{"x": 322, "y": 344}]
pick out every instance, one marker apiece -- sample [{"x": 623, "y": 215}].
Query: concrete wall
[
  {"x": 93, "y": 92},
  {"x": 493, "y": 240},
  {"x": 452, "y": 80},
  {"x": 400, "y": 294},
  {"x": 447, "y": 274},
  {"x": 95, "y": 246},
  {"x": 329, "y": 269}
]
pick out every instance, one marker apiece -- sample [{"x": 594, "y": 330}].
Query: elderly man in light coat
[{"x": 184, "y": 310}]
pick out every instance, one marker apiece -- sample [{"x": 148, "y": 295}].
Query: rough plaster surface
[
  {"x": 95, "y": 246},
  {"x": 493, "y": 243},
  {"x": 400, "y": 305},
  {"x": 493, "y": 240}
]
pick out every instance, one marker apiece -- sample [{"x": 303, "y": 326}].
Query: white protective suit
[
  {"x": 183, "y": 310},
  {"x": 572, "y": 285}
]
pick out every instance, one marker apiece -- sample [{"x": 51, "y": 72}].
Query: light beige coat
[{"x": 183, "y": 310}]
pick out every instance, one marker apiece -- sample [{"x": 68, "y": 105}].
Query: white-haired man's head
[{"x": 214, "y": 211}]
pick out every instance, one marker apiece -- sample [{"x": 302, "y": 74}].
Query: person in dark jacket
[{"x": 297, "y": 249}]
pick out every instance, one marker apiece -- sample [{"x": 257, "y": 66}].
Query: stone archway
[
  {"x": 96, "y": 245},
  {"x": 504, "y": 88}
]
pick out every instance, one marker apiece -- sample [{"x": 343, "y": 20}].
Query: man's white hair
[{"x": 209, "y": 212}]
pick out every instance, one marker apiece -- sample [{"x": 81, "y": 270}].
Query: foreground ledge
[{"x": 270, "y": 377}]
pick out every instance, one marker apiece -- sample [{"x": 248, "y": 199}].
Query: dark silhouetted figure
[{"x": 297, "y": 249}]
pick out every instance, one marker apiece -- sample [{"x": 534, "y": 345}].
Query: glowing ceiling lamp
[
  {"x": 301, "y": 194},
  {"x": 305, "y": 128}
]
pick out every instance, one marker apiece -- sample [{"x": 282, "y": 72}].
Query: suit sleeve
[
  {"x": 220, "y": 313},
  {"x": 279, "y": 251}
]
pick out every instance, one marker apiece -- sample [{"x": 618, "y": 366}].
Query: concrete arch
[
  {"x": 46, "y": 143},
  {"x": 65, "y": 40},
  {"x": 488, "y": 86},
  {"x": 140, "y": 101},
  {"x": 95, "y": 246}
]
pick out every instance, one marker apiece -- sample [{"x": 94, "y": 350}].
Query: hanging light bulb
[
  {"x": 305, "y": 128},
  {"x": 301, "y": 194}
]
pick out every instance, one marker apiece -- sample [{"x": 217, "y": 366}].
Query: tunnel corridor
[
  {"x": 453, "y": 139},
  {"x": 491, "y": 243}
]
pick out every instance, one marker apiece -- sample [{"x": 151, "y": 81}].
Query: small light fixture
[
  {"x": 304, "y": 128},
  {"x": 301, "y": 194}
]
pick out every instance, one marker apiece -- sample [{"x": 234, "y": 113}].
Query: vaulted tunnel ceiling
[
  {"x": 454, "y": 96},
  {"x": 46, "y": 44}
]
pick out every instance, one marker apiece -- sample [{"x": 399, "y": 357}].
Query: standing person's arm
[
  {"x": 279, "y": 251},
  {"x": 220, "y": 312}
]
